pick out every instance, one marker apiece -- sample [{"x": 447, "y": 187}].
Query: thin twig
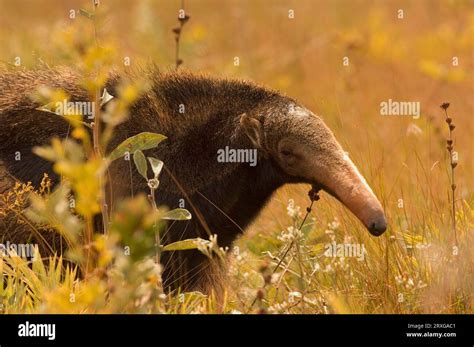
[
  {"x": 313, "y": 196},
  {"x": 183, "y": 17},
  {"x": 96, "y": 133},
  {"x": 453, "y": 164}
]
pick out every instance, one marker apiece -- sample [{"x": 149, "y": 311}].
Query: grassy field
[{"x": 340, "y": 59}]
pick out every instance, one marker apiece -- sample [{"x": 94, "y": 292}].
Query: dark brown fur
[{"x": 227, "y": 195}]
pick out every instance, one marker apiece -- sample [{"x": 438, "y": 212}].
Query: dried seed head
[
  {"x": 267, "y": 278},
  {"x": 264, "y": 267},
  {"x": 449, "y": 120},
  {"x": 445, "y": 105},
  {"x": 313, "y": 194},
  {"x": 449, "y": 142},
  {"x": 153, "y": 183},
  {"x": 184, "y": 19},
  {"x": 177, "y": 30},
  {"x": 449, "y": 148},
  {"x": 453, "y": 187},
  {"x": 260, "y": 294},
  {"x": 454, "y": 164},
  {"x": 451, "y": 127}
]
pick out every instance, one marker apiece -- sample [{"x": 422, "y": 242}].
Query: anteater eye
[{"x": 286, "y": 153}]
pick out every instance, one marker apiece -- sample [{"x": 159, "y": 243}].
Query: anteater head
[{"x": 305, "y": 150}]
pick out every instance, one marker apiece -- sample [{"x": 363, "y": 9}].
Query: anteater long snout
[{"x": 350, "y": 187}]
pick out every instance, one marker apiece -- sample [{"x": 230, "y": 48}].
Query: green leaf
[
  {"x": 46, "y": 152},
  {"x": 105, "y": 98},
  {"x": 177, "y": 214},
  {"x": 140, "y": 163},
  {"x": 317, "y": 249},
  {"x": 86, "y": 13},
  {"x": 412, "y": 239},
  {"x": 141, "y": 141},
  {"x": 50, "y": 107},
  {"x": 70, "y": 118},
  {"x": 156, "y": 166},
  {"x": 182, "y": 245}
]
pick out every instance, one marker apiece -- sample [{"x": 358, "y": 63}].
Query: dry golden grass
[{"x": 413, "y": 267}]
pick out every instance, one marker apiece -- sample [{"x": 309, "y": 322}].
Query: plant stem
[
  {"x": 453, "y": 184},
  {"x": 313, "y": 198},
  {"x": 96, "y": 137},
  {"x": 177, "y": 32},
  {"x": 157, "y": 230},
  {"x": 88, "y": 242}
]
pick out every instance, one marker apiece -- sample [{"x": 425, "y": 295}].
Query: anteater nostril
[{"x": 377, "y": 228}]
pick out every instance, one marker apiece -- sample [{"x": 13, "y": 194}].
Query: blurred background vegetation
[{"x": 409, "y": 59}]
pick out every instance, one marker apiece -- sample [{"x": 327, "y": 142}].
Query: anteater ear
[{"x": 253, "y": 129}]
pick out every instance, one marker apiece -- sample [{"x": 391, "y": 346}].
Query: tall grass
[{"x": 281, "y": 265}]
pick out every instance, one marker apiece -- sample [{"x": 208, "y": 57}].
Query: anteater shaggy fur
[{"x": 293, "y": 145}]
